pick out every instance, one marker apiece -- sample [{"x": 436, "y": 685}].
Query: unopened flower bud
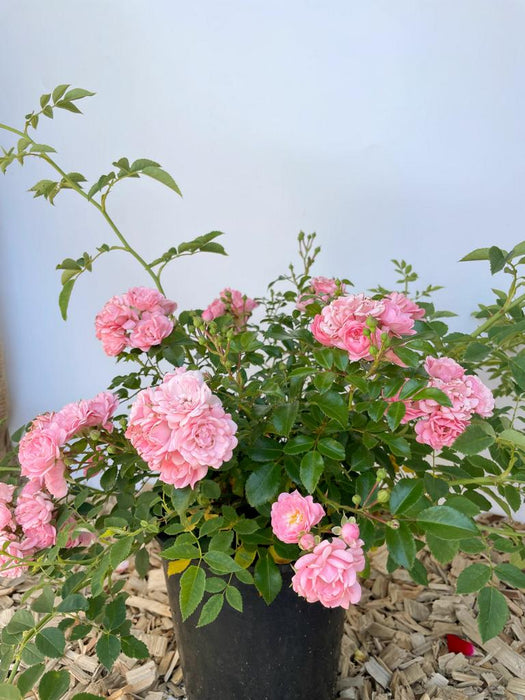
[
  {"x": 381, "y": 474},
  {"x": 356, "y": 499},
  {"x": 383, "y": 496},
  {"x": 393, "y": 524},
  {"x": 94, "y": 434}
]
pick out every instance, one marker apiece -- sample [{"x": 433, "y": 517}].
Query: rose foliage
[{"x": 302, "y": 428}]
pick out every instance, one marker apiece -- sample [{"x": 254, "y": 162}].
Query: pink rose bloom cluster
[
  {"x": 27, "y": 526},
  {"x": 328, "y": 574},
  {"x": 41, "y": 449},
  {"x": 230, "y": 301},
  {"x": 180, "y": 429},
  {"x": 322, "y": 290},
  {"x": 137, "y": 319},
  {"x": 438, "y": 426},
  {"x": 356, "y": 322},
  {"x": 293, "y": 516}
]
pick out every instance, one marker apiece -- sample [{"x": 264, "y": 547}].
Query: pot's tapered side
[{"x": 288, "y": 650}]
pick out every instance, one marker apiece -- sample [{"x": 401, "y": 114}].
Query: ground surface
[{"x": 394, "y": 644}]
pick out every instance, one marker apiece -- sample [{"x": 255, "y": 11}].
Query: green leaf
[
  {"x": 514, "y": 437},
  {"x": 41, "y": 148},
  {"x": 162, "y": 176},
  {"x": 401, "y": 545},
  {"x": 497, "y": 259},
  {"x": 332, "y": 449},
  {"x": 405, "y": 494},
  {"x": 211, "y": 609},
  {"x": 442, "y": 550},
  {"x": 59, "y": 91},
  {"x": 283, "y": 418},
  {"x": 493, "y": 613},
  {"x": 433, "y": 393},
  {"x": 9, "y": 692},
  {"x": 267, "y": 576},
  {"x": 51, "y": 642},
  {"x": 221, "y": 541},
  {"x": 215, "y": 585},
  {"x": 220, "y": 562},
  {"x": 192, "y": 583},
  {"x": 395, "y": 414},
  {"x": 21, "y": 621},
  {"x": 511, "y": 575},
  {"x": 28, "y": 679},
  {"x": 142, "y": 562},
  {"x": 234, "y": 598},
  {"x": 299, "y": 444},
  {"x": 332, "y": 405},
  {"x": 115, "y": 613},
  {"x": 376, "y": 409},
  {"x": 120, "y": 550},
  {"x": 478, "y": 254},
  {"x": 446, "y": 523},
  {"x": 79, "y": 632},
  {"x": 134, "y": 648},
  {"x": 476, "y": 352},
  {"x": 312, "y": 465},
  {"x": 73, "y": 603},
  {"x": 77, "y": 94},
  {"x": 519, "y": 249},
  {"x": 473, "y": 578},
  {"x": 69, "y": 106},
  {"x": 108, "y": 648},
  {"x": 411, "y": 387},
  {"x": 54, "y": 685},
  {"x": 64, "y": 296},
  {"x": 475, "y": 439},
  {"x": 418, "y": 573},
  {"x": 45, "y": 602},
  {"x": 263, "y": 484}
]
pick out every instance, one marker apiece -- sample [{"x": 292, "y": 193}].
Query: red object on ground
[{"x": 460, "y": 646}]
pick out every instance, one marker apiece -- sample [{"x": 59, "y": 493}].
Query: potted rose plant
[{"x": 269, "y": 444}]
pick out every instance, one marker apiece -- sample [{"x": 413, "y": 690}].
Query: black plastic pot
[{"x": 288, "y": 650}]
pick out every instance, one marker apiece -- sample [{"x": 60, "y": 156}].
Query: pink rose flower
[
  {"x": 180, "y": 429},
  {"x": 174, "y": 469},
  {"x": 444, "y": 368},
  {"x": 230, "y": 301},
  {"x": 307, "y": 541},
  {"x": 145, "y": 299},
  {"x": 150, "y": 331},
  {"x": 481, "y": 398},
  {"x": 38, "y": 538},
  {"x": 33, "y": 507},
  {"x": 329, "y": 574},
  {"x": 322, "y": 289},
  {"x": 207, "y": 439},
  {"x": 182, "y": 396},
  {"x": 328, "y": 326},
  {"x": 354, "y": 341},
  {"x": 39, "y": 450},
  {"x": 395, "y": 321},
  {"x": 6, "y": 492},
  {"x": 6, "y": 518},
  {"x": 78, "y": 536},
  {"x": 135, "y": 319},
  {"x": 294, "y": 515},
  {"x": 350, "y": 533},
  {"x": 10, "y": 554},
  {"x": 100, "y": 410},
  {"x": 439, "y": 430},
  {"x": 406, "y": 305}
]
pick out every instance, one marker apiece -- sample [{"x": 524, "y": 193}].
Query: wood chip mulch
[{"x": 394, "y": 644}]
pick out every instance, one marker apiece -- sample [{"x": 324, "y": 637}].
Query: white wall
[{"x": 393, "y": 128}]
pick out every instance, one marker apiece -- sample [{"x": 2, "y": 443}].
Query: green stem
[
  {"x": 100, "y": 206},
  {"x": 501, "y": 312}
]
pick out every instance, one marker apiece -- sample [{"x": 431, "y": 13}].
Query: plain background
[{"x": 392, "y": 128}]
